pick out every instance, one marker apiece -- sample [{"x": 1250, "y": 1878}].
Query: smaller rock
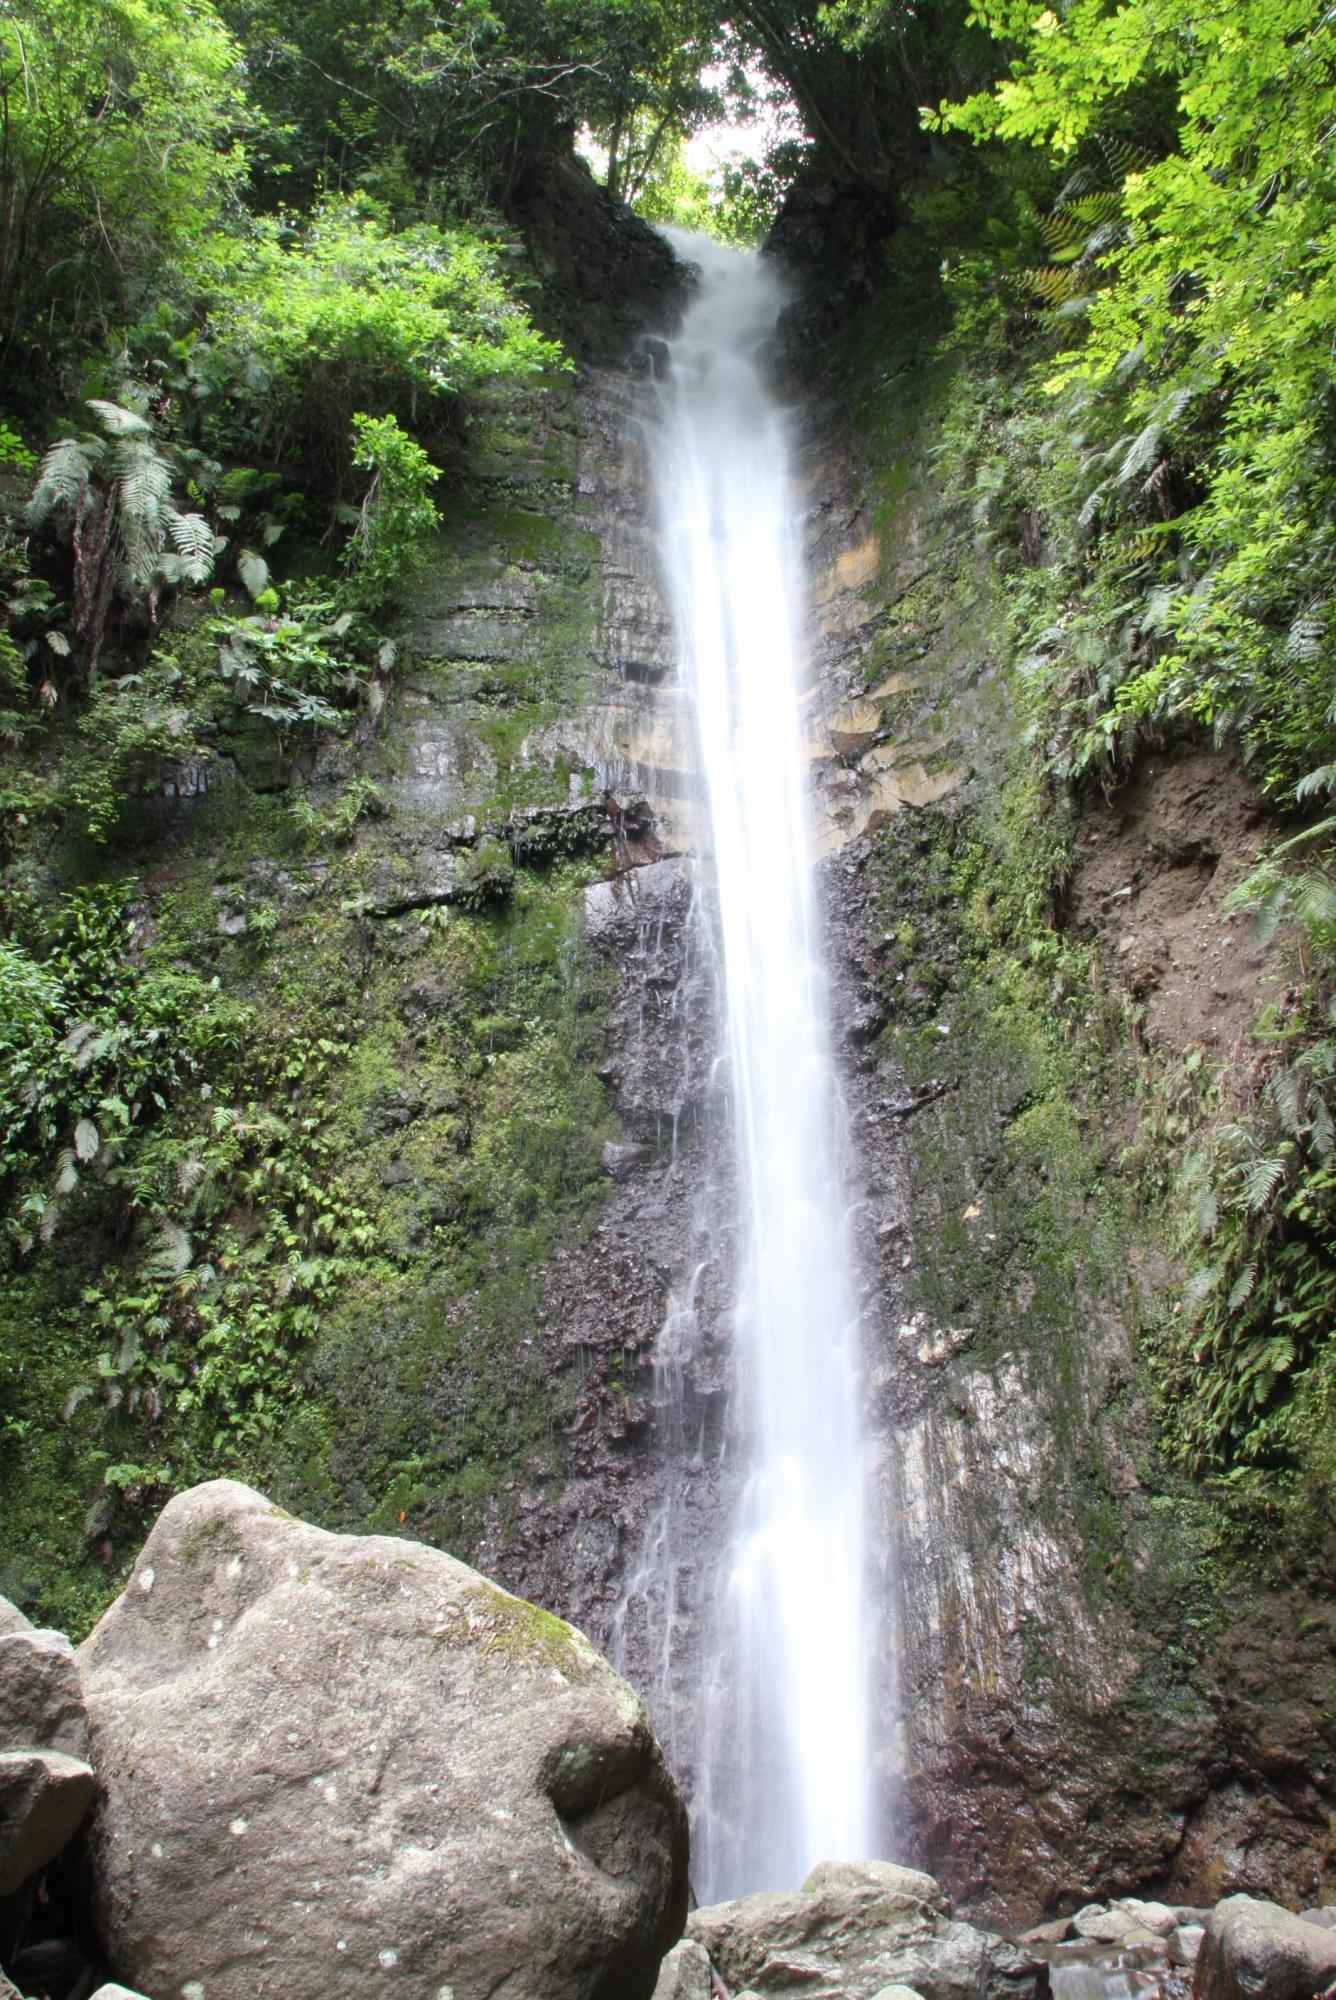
[
  {"x": 1155, "y": 1917},
  {"x": 12, "y": 1619},
  {"x": 43, "y": 1798},
  {"x": 886, "y": 1878},
  {"x": 684, "y": 1974},
  {"x": 897, "y": 1993},
  {"x": 1325, "y": 1918},
  {"x": 114, "y": 1992},
  {"x": 1185, "y": 1943},
  {"x": 41, "y": 1706},
  {"x": 1255, "y": 1950},
  {"x": 1098, "y": 1924},
  {"x": 1056, "y": 1931}
]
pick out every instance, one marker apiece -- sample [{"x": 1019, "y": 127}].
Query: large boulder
[
  {"x": 855, "y": 1928},
  {"x": 1257, "y": 1951},
  {"x": 332, "y": 1765}
]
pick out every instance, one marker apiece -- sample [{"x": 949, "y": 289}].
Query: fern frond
[
  {"x": 1199, "y": 1288},
  {"x": 117, "y": 421},
  {"x": 1303, "y": 641},
  {"x": 1315, "y": 899},
  {"x": 1259, "y": 1180},
  {"x": 1323, "y": 779},
  {"x": 1054, "y": 284},
  {"x": 62, "y": 478},
  {"x": 1141, "y": 453},
  {"x": 194, "y": 540},
  {"x": 1064, "y": 235},
  {"x": 253, "y": 570},
  {"x": 143, "y": 493},
  {"x": 175, "y": 1251},
  {"x": 1242, "y": 1288},
  {"x": 1123, "y": 157},
  {"x": 1094, "y": 210}
]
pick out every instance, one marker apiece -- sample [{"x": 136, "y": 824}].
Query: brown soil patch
[{"x": 1155, "y": 863}]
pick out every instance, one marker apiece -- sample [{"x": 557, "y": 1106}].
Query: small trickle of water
[{"x": 779, "y": 1747}]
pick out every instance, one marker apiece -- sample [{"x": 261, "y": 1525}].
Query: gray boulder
[
  {"x": 44, "y": 1796},
  {"x": 856, "y": 1928},
  {"x": 1256, "y": 1951},
  {"x": 685, "y": 1973},
  {"x": 336, "y": 1765},
  {"x": 41, "y": 1706},
  {"x": 114, "y": 1992}
]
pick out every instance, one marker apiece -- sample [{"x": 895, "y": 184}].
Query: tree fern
[
  {"x": 63, "y": 478},
  {"x": 114, "y": 495}
]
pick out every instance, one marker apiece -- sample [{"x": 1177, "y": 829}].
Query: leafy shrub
[
  {"x": 294, "y": 661},
  {"x": 89, "y": 1048},
  {"x": 116, "y": 161},
  {"x": 318, "y": 318},
  {"x": 1198, "y": 364},
  {"x": 397, "y": 511}
]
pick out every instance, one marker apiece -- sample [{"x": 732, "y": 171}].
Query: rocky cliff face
[{"x": 1067, "y": 1696}]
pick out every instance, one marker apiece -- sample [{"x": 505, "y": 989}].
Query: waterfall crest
[{"x": 780, "y": 1750}]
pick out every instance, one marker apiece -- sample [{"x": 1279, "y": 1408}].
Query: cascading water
[{"x": 779, "y": 1733}]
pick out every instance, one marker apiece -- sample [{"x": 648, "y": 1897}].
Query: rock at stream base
[
  {"x": 336, "y": 1765},
  {"x": 1185, "y": 1944},
  {"x": 685, "y": 1973},
  {"x": 41, "y": 1707},
  {"x": 43, "y": 1798},
  {"x": 856, "y": 1928},
  {"x": 1256, "y": 1951}
]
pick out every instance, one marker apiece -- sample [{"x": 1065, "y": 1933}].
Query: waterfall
[{"x": 780, "y": 1752}]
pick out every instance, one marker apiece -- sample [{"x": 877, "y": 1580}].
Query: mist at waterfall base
[{"x": 779, "y": 1754}]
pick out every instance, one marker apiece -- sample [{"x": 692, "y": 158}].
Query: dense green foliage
[
  {"x": 118, "y": 158},
  {"x": 1191, "y": 277},
  {"x": 1138, "y": 266},
  {"x": 263, "y": 316},
  {"x": 1198, "y": 370}
]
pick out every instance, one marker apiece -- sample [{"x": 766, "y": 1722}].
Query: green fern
[{"x": 114, "y": 497}]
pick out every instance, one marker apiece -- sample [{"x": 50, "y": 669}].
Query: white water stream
[{"x": 780, "y": 1753}]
